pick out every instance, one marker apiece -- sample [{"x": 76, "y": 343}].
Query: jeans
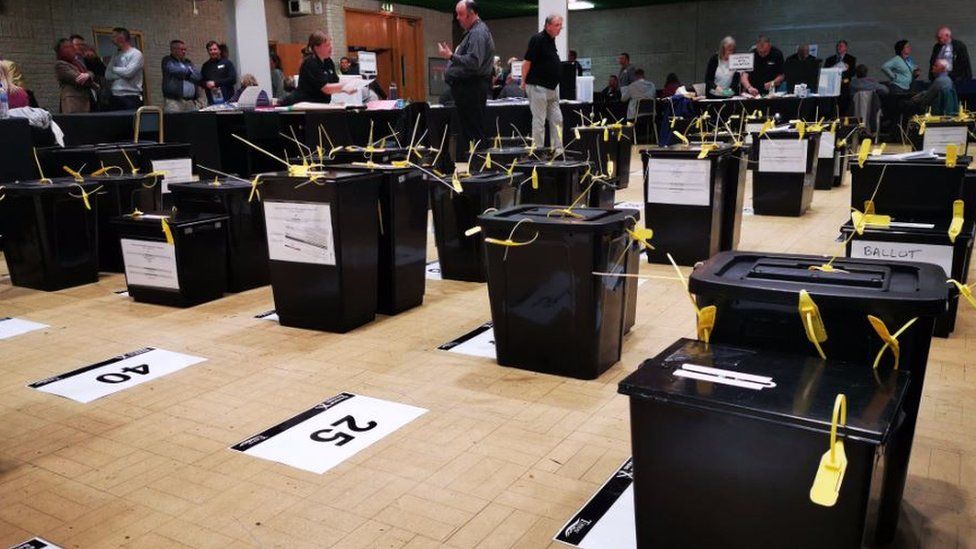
[{"x": 544, "y": 103}]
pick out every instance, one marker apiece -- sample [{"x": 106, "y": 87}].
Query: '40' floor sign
[{"x": 330, "y": 432}]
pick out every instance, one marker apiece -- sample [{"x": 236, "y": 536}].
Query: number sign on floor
[{"x": 607, "y": 520}]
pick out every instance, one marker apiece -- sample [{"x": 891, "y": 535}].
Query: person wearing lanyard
[
  {"x": 900, "y": 69},
  {"x": 219, "y": 74},
  {"x": 540, "y": 77},
  {"x": 954, "y": 53},
  {"x": 470, "y": 70},
  {"x": 317, "y": 77}
]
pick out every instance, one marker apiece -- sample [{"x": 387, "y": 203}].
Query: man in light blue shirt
[
  {"x": 124, "y": 71},
  {"x": 638, "y": 90}
]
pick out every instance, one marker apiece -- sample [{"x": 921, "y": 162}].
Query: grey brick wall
[{"x": 681, "y": 37}]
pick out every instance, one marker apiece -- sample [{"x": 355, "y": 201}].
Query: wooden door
[
  {"x": 409, "y": 60},
  {"x": 398, "y": 44},
  {"x": 291, "y": 57}
]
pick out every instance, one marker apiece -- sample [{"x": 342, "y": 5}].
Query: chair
[
  {"x": 646, "y": 110},
  {"x": 866, "y": 105}
]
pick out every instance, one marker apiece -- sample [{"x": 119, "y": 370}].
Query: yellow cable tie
[
  {"x": 833, "y": 463},
  {"x": 952, "y": 153},
  {"x": 863, "y": 152},
  {"x": 812, "y": 322},
  {"x": 890, "y": 341},
  {"x": 642, "y": 236},
  {"x": 965, "y": 291},
  {"x": 166, "y": 230},
  {"x": 958, "y": 217},
  {"x": 77, "y": 176},
  {"x": 535, "y": 177},
  {"x": 681, "y": 137},
  {"x": 254, "y": 188}
]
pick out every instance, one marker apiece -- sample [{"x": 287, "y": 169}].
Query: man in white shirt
[
  {"x": 638, "y": 90},
  {"x": 124, "y": 71}
]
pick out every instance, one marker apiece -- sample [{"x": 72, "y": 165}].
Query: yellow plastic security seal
[
  {"x": 535, "y": 177},
  {"x": 958, "y": 216},
  {"x": 952, "y": 154},
  {"x": 833, "y": 464},
  {"x": 890, "y": 340},
  {"x": 863, "y": 151},
  {"x": 166, "y": 230},
  {"x": 812, "y": 322}
]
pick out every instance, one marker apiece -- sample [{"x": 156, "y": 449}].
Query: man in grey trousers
[{"x": 540, "y": 78}]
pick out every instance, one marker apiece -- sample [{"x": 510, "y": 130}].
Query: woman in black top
[
  {"x": 317, "y": 77},
  {"x": 720, "y": 81}
]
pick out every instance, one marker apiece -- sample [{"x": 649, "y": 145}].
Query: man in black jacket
[
  {"x": 469, "y": 70},
  {"x": 218, "y": 74},
  {"x": 180, "y": 79},
  {"x": 849, "y": 63},
  {"x": 954, "y": 53}
]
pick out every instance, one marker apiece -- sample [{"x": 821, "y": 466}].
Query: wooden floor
[{"x": 502, "y": 458}]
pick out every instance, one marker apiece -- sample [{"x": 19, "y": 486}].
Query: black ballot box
[
  {"x": 684, "y": 200},
  {"x": 786, "y": 165},
  {"x": 727, "y": 441},
  {"x": 247, "y": 244},
  {"x": 120, "y": 194},
  {"x": 323, "y": 239},
  {"x": 920, "y": 242},
  {"x": 830, "y": 162},
  {"x": 607, "y": 147},
  {"x": 356, "y": 154},
  {"x": 542, "y": 286},
  {"x": 602, "y": 192},
  {"x": 462, "y": 256},
  {"x": 172, "y": 161},
  {"x": 733, "y": 197},
  {"x": 914, "y": 190},
  {"x": 495, "y": 158},
  {"x": 50, "y": 233},
  {"x": 78, "y": 158},
  {"x": 176, "y": 259},
  {"x": 937, "y": 134},
  {"x": 402, "y": 251},
  {"x": 556, "y": 182},
  {"x": 757, "y": 300}
]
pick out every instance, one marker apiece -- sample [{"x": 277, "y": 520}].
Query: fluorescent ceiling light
[{"x": 575, "y": 5}]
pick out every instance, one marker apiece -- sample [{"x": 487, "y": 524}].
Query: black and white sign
[
  {"x": 122, "y": 293},
  {"x": 367, "y": 62},
  {"x": 36, "y": 543},
  {"x": 271, "y": 315},
  {"x": 150, "y": 263},
  {"x": 516, "y": 69},
  {"x": 329, "y": 433},
  {"x": 783, "y": 155},
  {"x": 629, "y": 206},
  {"x": 434, "y": 270},
  {"x": 479, "y": 342},
  {"x": 178, "y": 170},
  {"x": 677, "y": 181},
  {"x": 299, "y": 232},
  {"x": 10, "y": 327},
  {"x": 607, "y": 520},
  {"x": 741, "y": 62},
  {"x": 904, "y": 251},
  {"x": 115, "y": 374},
  {"x": 936, "y": 138}
]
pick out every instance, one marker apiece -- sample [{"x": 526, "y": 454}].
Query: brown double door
[{"x": 398, "y": 43}]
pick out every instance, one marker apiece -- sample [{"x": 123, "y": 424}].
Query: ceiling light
[{"x": 575, "y": 5}]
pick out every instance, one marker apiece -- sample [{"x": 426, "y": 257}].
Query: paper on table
[
  {"x": 783, "y": 156},
  {"x": 676, "y": 181}
]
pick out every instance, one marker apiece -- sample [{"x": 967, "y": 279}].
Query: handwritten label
[
  {"x": 741, "y": 61},
  {"x": 904, "y": 251}
]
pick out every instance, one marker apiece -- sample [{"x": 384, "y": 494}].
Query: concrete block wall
[
  {"x": 681, "y": 37},
  {"x": 29, "y": 30}
]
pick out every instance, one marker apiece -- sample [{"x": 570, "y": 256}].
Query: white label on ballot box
[
  {"x": 300, "y": 232},
  {"x": 678, "y": 181},
  {"x": 938, "y": 137},
  {"x": 783, "y": 155},
  {"x": 178, "y": 170},
  {"x": 826, "y": 145},
  {"x": 752, "y": 127},
  {"x": 741, "y": 61},
  {"x": 150, "y": 263},
  {"x": 904, "y": 251}
]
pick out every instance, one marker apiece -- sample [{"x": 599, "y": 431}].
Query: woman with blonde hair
[
  {"x": 16, "y": 96},
  {"x": 720, "y": 80}
]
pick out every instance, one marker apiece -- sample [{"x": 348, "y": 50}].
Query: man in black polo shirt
[
  {"x": 540, "y": 77},
  {"x": 767, "y": 69}
]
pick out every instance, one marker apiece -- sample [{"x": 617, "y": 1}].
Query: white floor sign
[
  {"x": 271, "y": 315},
  {"x": 10, "y": 327},
  {"x": 639, "y": 206},
  {"x": 434, "y": 270},
  {"x": 478, "y": 342},
  {"x": 115, "y": 374},
  {"x": 331, "y": 432},
  {"x": 36, "y": 543},
  {"x": 607, "y": 520}
]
